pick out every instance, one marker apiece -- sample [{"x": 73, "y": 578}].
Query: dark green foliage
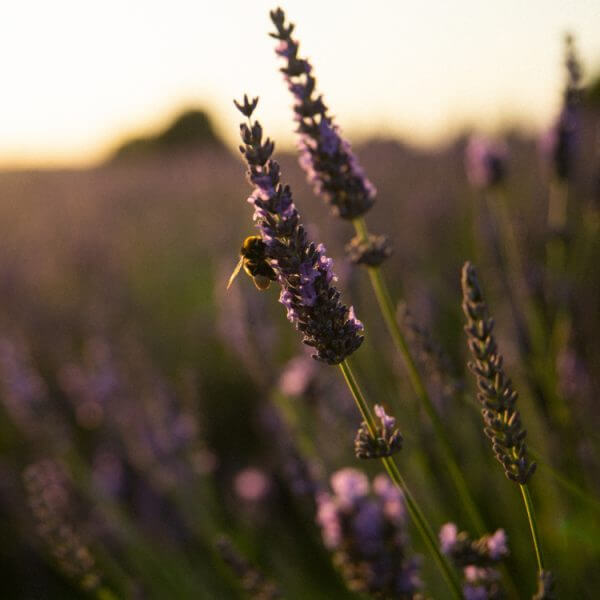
[{"x": 191, "y": 129}]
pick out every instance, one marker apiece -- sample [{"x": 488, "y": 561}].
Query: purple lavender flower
[
  {"x": 303, "y": 270},
  {"x": 327, "y": 159},
  {"x": 497, "y": 545},
  {"x": 558, "y": 145},
  {"x": 26, "y": 398},
  {"x": 367, "y": 533},
  {"x": 485, "y": 162},
  {"x": 385, "y": 441},
  {"x": 252, "y": 484},
  {"x": 350, "y": 486},
  {"x": 448, "y": 537},
  {"x": 391, "y": 496},
  {"x": 502, "y": 421},
  {"x": 477, "y": 558}
]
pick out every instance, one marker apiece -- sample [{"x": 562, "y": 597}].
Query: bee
[{"x": 253, "y": 260}]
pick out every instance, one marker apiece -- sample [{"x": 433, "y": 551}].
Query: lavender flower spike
[
  {"x": 498, "y": 398},
  {"x": 559, "y": 144},
  {"x": 327, "y": 159},
  {"x": 303, "y": 270}
]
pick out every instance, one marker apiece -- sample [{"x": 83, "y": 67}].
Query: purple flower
[
  {"x": 251, "y": 484},
  {"x": 368, "y": 525},
  {"x": 366, "y": 532},
  {"x": 497, "y": 545},
  {"x": 303, "y": 270},
  {"x": 472, "y": 592},
  {"x": 477, "y": 559},
  {"x": 392, "y": 497},
  {"x": 327, "y": 159},
  {"x": 349, "y": 486},
  {"x": 328, "y": 519},
  {"x": 387, "y": 423},
  {"x": 558, "y": 145},
  {"x": 448, "y": 536},
  {"x": 384, "y": 441}
]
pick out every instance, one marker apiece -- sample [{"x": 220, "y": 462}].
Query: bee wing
[{"x": 236, "y": 271}]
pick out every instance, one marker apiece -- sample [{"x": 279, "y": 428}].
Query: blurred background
[{"x": 145, "y": 410}]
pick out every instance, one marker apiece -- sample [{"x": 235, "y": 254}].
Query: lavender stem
[{"x": 386, "y": 306}]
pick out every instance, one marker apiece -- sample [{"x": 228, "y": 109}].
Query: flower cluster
[
  {"x": 477, "y": 559},
  {"x": 387, "y": 439},
  {"x": 496, "y": 394},
  {"x": 326, "y": 157},
  {"x": 485, "y": 162},
  {"x": 559, "y": 143},
  {"x": 49, "y": 496},
  {"x": 371, "y": 252},
  {"x": 366, "y": 531},
  {"x": 303, "y": 270}
]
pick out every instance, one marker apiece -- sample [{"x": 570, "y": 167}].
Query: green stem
[
  {"x": 533, "y": 526},
  {"x": 386, "y": 306},
  {"x": 413, "y": 508}
]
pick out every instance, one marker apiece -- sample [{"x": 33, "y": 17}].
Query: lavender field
[{"x": 162, "y": 436}]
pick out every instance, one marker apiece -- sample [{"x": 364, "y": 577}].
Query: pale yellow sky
[{"x": 77, "y": 75}]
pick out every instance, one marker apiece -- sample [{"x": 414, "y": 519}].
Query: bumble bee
[{"x": 253, "y": 260}]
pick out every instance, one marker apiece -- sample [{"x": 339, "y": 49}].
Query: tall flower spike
[
  {"x": 303, "y": 271},
  {"x": 386, "y": 442},
  {"x": 327, "y": 159},
  {"x": 560, "y": 142},
  {"x": 496, "y": 394}
]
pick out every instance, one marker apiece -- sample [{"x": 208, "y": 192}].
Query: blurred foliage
[{"x": 191, "y": 129}]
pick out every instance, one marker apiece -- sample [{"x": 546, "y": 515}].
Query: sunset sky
[{"x": 78, "y": 76}]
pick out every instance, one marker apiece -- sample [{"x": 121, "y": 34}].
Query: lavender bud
[
  {"x": 327, "y": 159},
  {"x": 303, "y": 270},
  {"x": 246, "y": 107},
  {"x": 386, "y": 442},
  {"x": 502, "y": 422},
  {"x": 371, "y": 252}
]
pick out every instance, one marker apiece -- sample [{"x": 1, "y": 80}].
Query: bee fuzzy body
[{"x": 254, "y": 263}]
